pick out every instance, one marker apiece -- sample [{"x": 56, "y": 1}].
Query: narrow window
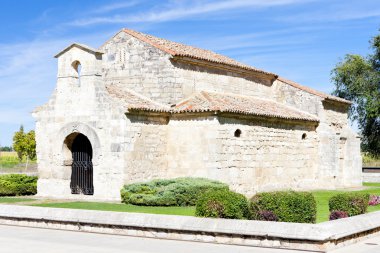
[
  {"x": 303, "y": 136},
  {"x": 237, "y": 133}
]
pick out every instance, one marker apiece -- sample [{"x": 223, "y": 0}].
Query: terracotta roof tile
[
  {"x": 233, "y": 103},
  {"x": 216, "y": 102},
  {"x": 178, "y": 49},
  {"x": 314, "y": 92},
  {"x": 130, "y": 99}
]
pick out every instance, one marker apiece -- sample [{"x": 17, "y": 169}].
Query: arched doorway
[{"x": 82, "y": 169}]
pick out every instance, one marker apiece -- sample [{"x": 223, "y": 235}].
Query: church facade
[{"x": 141, "y": 108}]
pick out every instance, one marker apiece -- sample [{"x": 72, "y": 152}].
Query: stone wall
[
  {"x": 339, "y": 162},
  {"x": 79, "y": 107},
  {"x": 266, "y": 156},
  {"x": 339, "y": 148},
  {"x": 193, "y": 78},
  {"x": 192, "y": 146},
  {"x": 322, "y": 237},
  {"x": 371, "y": 177},
  {"x": 292, "y": 96},
  {"x": 140, "y": 67},
  {"x": 146, "y": 148}
]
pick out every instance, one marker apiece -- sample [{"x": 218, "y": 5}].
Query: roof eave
[
  {"x": 309, "y": 90},
  {"x": 339, "y": 100},
  {"x": 81, "y": 46},
  {"x": 223, "y": 66},
  {"x": 313, "y": 120}
]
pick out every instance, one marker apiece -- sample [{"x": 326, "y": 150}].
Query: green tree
[
  {"x": 18, "y": 142},
  {"x": 30, "y": 145},
  {"x": 25, "y": 144},
  {"x": 357, "y": 78}
]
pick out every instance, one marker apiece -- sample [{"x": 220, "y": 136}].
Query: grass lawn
[
  {"x": 322, "y": 198},
  {"x": 172, "y": 210}
]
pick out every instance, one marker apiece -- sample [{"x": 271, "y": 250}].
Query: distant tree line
[{"x": 6, "y": 149}]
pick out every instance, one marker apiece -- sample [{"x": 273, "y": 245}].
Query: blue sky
[{"x": 301, "y": 40}]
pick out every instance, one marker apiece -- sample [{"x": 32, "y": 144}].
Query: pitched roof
[
  {"x": 178, "y": 49},
  {"x": 130, "y": 99},
  {"x": 182, "y": 50},
  {"x": 225, "y": 102},
  {"x": 314, "y": 92}
]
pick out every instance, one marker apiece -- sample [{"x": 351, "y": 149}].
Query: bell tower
[{"x": 79, "y": 79}]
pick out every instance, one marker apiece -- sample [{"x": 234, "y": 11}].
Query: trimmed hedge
[
  {"x": 222, "y": 204},
  {"x": 17, "y": 185},
  {"x": 353, "y": 203},
  {"x": 168, "y": 192},
  {"x": 287, "y": 206}
]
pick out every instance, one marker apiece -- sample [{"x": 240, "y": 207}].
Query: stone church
[{"x": 141, "y": 108}]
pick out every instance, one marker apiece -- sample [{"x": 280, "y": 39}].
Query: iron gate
[{"x": 82, "y": 172}]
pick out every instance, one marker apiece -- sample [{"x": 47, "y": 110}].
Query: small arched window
[
  {"x": 78, "y": 68},
  {"x": 303, "y": 136},
  {"x": 237, "y": 133}
]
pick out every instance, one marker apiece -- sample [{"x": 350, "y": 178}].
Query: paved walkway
[
  {"x": 367, "y": 246},
  {"x": 33, "y": 240}
]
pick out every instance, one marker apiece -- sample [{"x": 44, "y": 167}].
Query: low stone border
[
  {"x": 370, "y": 177},
  {"x": 314, "y": 237}
]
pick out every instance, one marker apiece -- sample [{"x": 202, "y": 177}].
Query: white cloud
[
  {"x": 115, "y": 6},
  {"x": 338, "y": 12},
  {"x": 184, "y": 9}
]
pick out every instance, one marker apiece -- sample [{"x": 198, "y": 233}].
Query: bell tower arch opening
[{"x": 78, "y": 68}]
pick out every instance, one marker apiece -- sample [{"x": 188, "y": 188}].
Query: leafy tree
[
  {"x": 18, "y": 142},
  {"x": 357, "y": 78},
  {"x": 25, "y": 144},
  {"x": 30, "y": 145}
]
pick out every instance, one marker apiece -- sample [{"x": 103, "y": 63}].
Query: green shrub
[
  {"x": 168, "y": 192},
  {"x": 222, "y": 204},
  {"x": 17, "y": 185},
  {"x": 287, "y": 206},
  {"x": 353, "y": 203}
]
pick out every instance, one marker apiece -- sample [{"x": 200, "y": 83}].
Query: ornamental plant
[
  {"x": 168, "y": 192},
  {"x": 287, "y": 206},
  {"x": 353, "y": 203},
  {"x": 267, "y": 216},
  {"x": 374, "y": 200},
  {"x": 335, "y": 215},
  {"x": 222, "y": 204}
]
